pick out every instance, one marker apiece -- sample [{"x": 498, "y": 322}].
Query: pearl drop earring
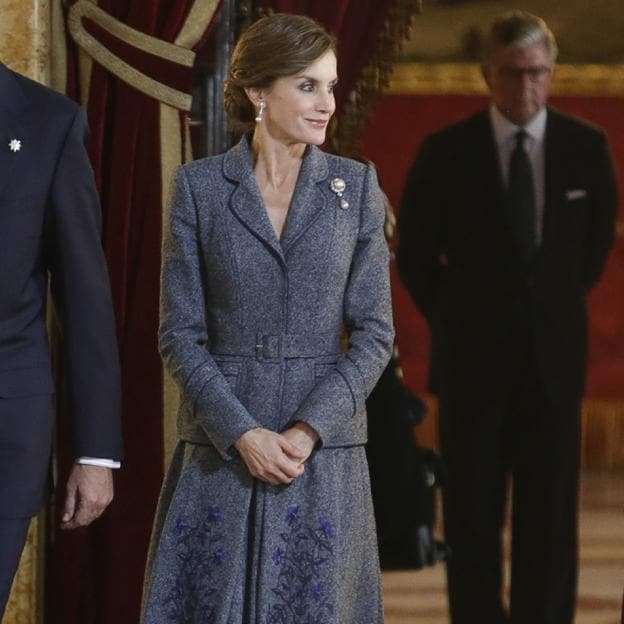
[{"x": 260, "y": 111}]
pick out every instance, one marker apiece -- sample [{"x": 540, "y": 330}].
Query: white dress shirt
[
  {"x": 96, "y": 461},
  {"x": 534, "y": 144}
]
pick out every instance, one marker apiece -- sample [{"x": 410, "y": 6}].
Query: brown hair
[{"x": 274, "y": 47}]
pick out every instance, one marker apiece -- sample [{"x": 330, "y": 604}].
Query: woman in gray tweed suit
[{"x": 273, "y": 248}]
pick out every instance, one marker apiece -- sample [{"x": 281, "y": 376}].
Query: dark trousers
[
  {"x": 13, "y": 533},
  {"x": 492, "y": 427}
]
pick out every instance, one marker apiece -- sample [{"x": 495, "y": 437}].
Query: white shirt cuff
[{"x": 97, "y": 461}]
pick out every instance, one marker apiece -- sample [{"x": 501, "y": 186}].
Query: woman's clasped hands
[{"x": 277, "y": 458}]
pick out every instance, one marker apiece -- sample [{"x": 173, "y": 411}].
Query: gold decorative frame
[{"x": 465, "y": 79}]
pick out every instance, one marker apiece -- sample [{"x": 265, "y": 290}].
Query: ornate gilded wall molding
[{"x": 465, "y": 79}]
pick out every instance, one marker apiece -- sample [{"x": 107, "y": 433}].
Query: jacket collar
[{"x": 246, "y": 202}]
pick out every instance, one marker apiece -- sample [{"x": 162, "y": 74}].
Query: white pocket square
[{"x": 575, "y": 194}]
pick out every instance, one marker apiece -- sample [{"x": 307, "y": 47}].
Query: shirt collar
[{"x": 505, "y": 130}]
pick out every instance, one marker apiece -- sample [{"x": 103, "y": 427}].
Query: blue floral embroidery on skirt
[
  {"x": 303, "y": 556},
  {"x": 200, "y": 553}
]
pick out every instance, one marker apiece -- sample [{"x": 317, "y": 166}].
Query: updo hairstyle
[{"x": 274, "y": 47}]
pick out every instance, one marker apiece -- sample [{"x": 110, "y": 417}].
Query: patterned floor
[{"x": 419, "y": 597}]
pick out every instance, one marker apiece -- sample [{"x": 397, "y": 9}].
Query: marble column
[
  {"x": 25, "y": 37},
  {"x": 24, "y": 47}
]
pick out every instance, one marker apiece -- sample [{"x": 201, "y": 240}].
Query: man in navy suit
[
  {"x": 505, "y": 225},
  {"x": 50, "y": 228}
]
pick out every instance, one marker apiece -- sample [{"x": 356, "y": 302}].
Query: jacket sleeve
[
  {"x": 601, "y": 230},
  {"x": 335, "y": 407},
  {"x": 183, "y": 334},
  {"x": 419, "y": 228},
  {"x": 81, "y": 292}
]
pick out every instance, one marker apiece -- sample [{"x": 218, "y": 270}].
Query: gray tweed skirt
[{"x": 228, "y": 549}]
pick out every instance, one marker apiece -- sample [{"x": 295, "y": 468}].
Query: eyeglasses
[{"x": 535, "y": 74}]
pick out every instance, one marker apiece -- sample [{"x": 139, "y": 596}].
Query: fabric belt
[{"x": 275, "y": 346}]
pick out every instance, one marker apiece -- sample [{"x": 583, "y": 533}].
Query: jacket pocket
[{"x": 24, "y": 382}]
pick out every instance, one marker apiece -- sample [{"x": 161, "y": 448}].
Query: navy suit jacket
[
  {"x": 458, "y": 258},
  {"x": 50, "y": 232}
]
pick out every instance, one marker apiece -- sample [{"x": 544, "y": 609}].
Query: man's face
[{"x": 519, "y": 80}]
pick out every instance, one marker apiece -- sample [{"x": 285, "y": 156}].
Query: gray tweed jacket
[{"x": 250, "y": 325}]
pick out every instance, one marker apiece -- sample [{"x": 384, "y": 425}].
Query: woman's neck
[{"x": 275, "y": 163}]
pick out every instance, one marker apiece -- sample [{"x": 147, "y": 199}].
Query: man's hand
[
  {"x": 89, "y": 492},
  {"x": 269, "y": 456}
]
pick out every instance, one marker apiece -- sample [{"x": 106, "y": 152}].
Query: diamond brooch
[{"x": 15, "y": 145}]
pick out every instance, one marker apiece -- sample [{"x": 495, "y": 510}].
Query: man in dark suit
[
  {"x": 50, "y": 233},
  {"x": 505, "y": 224}
]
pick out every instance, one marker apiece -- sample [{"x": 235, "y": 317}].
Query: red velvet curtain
[{"x": 95, "y": 575}]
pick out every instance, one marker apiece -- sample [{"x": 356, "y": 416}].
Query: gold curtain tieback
[{"x": 90, "y": 26}]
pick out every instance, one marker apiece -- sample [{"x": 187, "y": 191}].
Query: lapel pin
[
  {"x": 15, "y": 145},
  {"x": 338, "y": 185}
]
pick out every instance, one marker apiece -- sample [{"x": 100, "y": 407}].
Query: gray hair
[{"x": 518, "y": 29}]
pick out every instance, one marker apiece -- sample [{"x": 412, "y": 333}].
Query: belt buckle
[{"x": 268, "y": 347}]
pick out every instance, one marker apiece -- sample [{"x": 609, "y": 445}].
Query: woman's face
[{"x": 298, "y": 108}]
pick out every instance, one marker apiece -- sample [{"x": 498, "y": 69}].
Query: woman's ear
[{"x": 255, "y": 95}]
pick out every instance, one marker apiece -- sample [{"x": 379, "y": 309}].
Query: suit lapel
[
  {"x": 487, "y": 169},
  {"x": 246, "y": 201},
  {"x": 12, "y": 102},
  {"x": 553, "y": 173},
  {"x": 308, "y": 198}
]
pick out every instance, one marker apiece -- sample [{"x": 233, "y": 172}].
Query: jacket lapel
[
  {"x": 485, "y": 167},
  {"x": 553, "y": 173},
  {"x": 12, "y": 101},
  {"x": 247, "y": 204},
  {"x": 491, "y": 163},
  {"x": 246, "y": 201},
  {"x": 308, "y": 198}
]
